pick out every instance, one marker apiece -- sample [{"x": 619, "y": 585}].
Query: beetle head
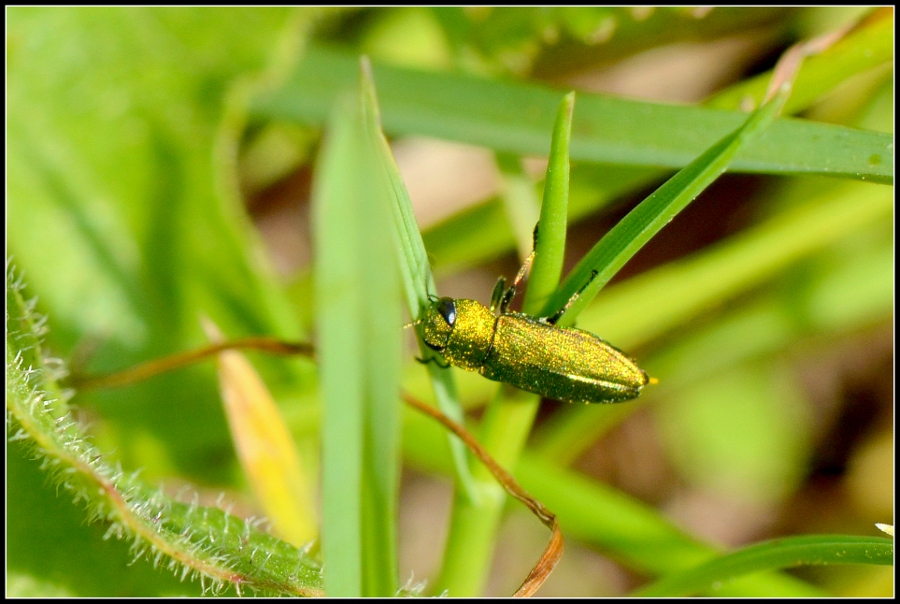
[{"x": 438, "y": 322}]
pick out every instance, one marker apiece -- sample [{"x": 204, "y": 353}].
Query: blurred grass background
[{"x": 153, "y": 176}]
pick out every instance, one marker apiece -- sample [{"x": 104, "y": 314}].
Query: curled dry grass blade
[{"x": 554, "y": 549}]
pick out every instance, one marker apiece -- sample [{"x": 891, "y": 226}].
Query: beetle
[{"x": 531, "y": 353}]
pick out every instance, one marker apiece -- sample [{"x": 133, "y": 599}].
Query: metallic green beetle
[{"x": 531, "y": 353}]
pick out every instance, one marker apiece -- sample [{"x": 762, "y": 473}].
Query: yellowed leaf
[{"x": 265, "y": 447}]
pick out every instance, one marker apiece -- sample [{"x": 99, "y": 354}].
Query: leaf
[
  {"x": 418, "y": 282},
  {"x": 202, "y": 542},
  {"x": 550, "y": 241},
  {"x": 265, "y": 448}
]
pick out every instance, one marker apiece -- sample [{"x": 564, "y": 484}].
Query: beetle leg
[
  {"x": 497, "y": 294},
  {"x": 505, "y": 300},
  {"x": 432, "y": 360},
  {"x": 552, "y": 319}
]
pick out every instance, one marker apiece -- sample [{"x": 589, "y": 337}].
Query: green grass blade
[
  {"x": 642, "y": 223},
  {"x": 359, "y": 350},
  {"x": 418, "y": 283},
  {"x": 769, "y": 555},
  {"x": 340, "y": 363},
  {"x": 381, "y": 479},
  {"x": 695, "y": 283},
  {"x": 550, "y": 246},
  {"x": 513, "y": 117}
]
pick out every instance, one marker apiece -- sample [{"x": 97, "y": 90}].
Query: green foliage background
[{"x": 134, "y": 137}]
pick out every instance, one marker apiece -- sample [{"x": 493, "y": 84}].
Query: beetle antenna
[
  {"x": 431, "y": 298},
  {"x": 526, "y": 268},
  {"x": 504, "y": 299},
  {"x": 510, "y": 292}
]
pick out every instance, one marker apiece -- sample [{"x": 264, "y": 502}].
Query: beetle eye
[{"x": 447, "y": 308}]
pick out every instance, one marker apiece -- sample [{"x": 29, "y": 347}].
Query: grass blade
[
  {"x": 642, "y": 223},
  {"x": 550, "y": 243},
  {"x": 513, "y": 117},
  {"x": 418, "y": 282},
  {"x": 359, "y": 353}
]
